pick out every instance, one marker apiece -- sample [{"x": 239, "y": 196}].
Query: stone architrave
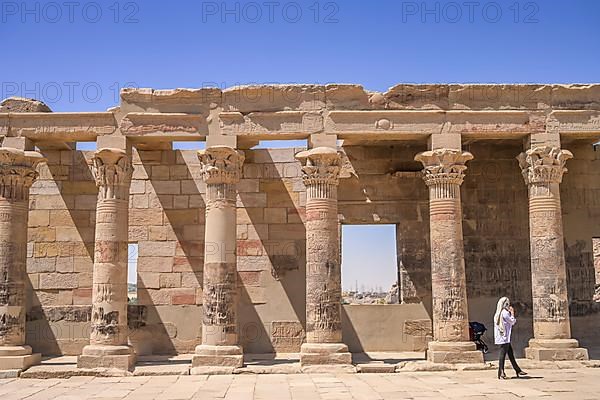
[
  {"x": 443, "y": 174},
  {"x": 221, "y": 170},
  {"x": 17, "y": 174},
  {"x": 321, "y": 169},
  {"x": 543, "y": 168},
  {"x": 108, "y": 346}
]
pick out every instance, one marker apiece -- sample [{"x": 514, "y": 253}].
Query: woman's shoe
[
  {"x": 521, "y": 373},
  {"x": 502, "y": 376}
]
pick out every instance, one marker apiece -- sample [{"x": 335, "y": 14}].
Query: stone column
[
  {"x": 542, "y": 168},
  {"x": 17, "y": 174},
  {"x": 221, "y": 170},
  {"x": 108, "y": 346},
  {"x": 321, "y": 168},
  {"x": 443, "y": 174}
]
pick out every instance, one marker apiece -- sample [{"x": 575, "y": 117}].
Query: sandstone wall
[{"x": 167, "y": 221}]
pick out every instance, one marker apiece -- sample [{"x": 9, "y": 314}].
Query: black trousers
[{"x": 506, "y": 348}]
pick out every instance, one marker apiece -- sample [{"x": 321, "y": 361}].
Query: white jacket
[{"x": 507, "y": 320}]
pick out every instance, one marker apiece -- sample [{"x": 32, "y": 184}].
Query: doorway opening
[
  {"x": 132, "y": 259},
  {"x": 369, "y": 264}
]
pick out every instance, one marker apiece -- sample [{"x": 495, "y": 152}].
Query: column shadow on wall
[
  {"x": 47, "y": 325},
  {"x": 496, "y": 239},
  {"x": 163, "y": 341},
  {"x": 287, "y": 260}
]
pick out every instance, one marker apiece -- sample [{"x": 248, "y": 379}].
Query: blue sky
[{"x": 75, "y": 58}]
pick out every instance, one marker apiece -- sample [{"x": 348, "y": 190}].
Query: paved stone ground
[{"x": 580, "y": 384}]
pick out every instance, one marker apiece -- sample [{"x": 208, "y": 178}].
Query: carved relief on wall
[
  {"x": 221, "y": 164},
  {"x": 112, "y": 171},
  {"x": 105, "y": 323},
  {"x": 218, "y": 302},
  {"x": 17, "y": 172},
  {"x": 287, "y": 336},
  {"x": 543, "y": 164}
]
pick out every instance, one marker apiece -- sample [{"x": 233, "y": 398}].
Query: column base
[
  {"x": 18, "y": 357},
  {"x": 454, "y": 353},
  {"x": 325, "y": 354},
  {"x": 555, "y": 350},
  {"x": 106, "y": 356},
  {"x": 218, "y": 356}
]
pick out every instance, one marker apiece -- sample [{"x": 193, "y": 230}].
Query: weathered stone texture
[{"x": 388, "y": 188}]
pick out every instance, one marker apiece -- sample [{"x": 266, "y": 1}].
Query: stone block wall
[{"x": 166, "y": 220}]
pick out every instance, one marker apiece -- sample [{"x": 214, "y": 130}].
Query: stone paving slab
[
  {"x": 66, "y": 366},
  {"x": 562, "y": 384}
]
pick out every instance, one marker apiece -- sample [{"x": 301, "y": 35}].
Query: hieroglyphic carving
[
  {"x": 287, "y": 336},
  {"x": 321, "y": 173},
  {"x": 218, "y": 301},
  {"x": 17, "y": 174},
  {"x": 443, "y": 173},
  {"x": 542, "y": 169},
  {"x": 105, "y": 323},
  {"x": 112, "y": 171}
]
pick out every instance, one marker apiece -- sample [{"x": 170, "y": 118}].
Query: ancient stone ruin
[{"x": 239, "y": 247}]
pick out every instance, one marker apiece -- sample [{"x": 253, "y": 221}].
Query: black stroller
[{"x": 476, "y": 331}]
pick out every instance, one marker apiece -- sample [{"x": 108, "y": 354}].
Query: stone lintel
[
  {"x": 270, "y": 125},
  {"x": 61, "y": 127},
  {"x": 164, "y": 126}
]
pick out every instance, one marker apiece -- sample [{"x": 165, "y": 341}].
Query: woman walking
[{"x": 504, "y": 319}]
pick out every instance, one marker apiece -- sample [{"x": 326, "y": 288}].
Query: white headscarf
[{"x": 502, "y": 304}]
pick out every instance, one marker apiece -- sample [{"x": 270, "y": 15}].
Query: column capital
[
  {"x": 443, "y": 166},
  {"x": 544, "y": 164},
  {"x": 221, "y": 164},
  {"x": 112, "y": 171},
  {"x": 320, "y": 165},
  {"x": 17, "y": 172}
]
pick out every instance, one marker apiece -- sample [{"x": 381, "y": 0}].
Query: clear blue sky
[{"x": 75, "y": 58}]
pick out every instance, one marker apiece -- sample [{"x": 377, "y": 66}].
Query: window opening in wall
[
  {"x": 280, "y": 144},
  {"x": 596, "y": 247},
  {"x": 189, "y": 145},
  {"x": 369, "y": 265},
  {"x": 86, "y": 146},
  {"x": 132, "y": 258}
]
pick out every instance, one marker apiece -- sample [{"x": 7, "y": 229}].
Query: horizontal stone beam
[
  {"x": 164, "y": 126},
  {"x": 352, "y": 126},
  {"x": 410, "y": 125},
  {"x": 58, "y": 127},
  {"x": 272, "y": 125}
]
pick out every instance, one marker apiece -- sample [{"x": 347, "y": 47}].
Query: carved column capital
[
  {"x": 444, "y": 166},
  {"x": 112, "y": 171},
  {"x": 543, "y": 165},
  {"x": 320, "y": 165},
  {"x": 17, "y": 172},
  {"x": 221, "y": 164}
]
